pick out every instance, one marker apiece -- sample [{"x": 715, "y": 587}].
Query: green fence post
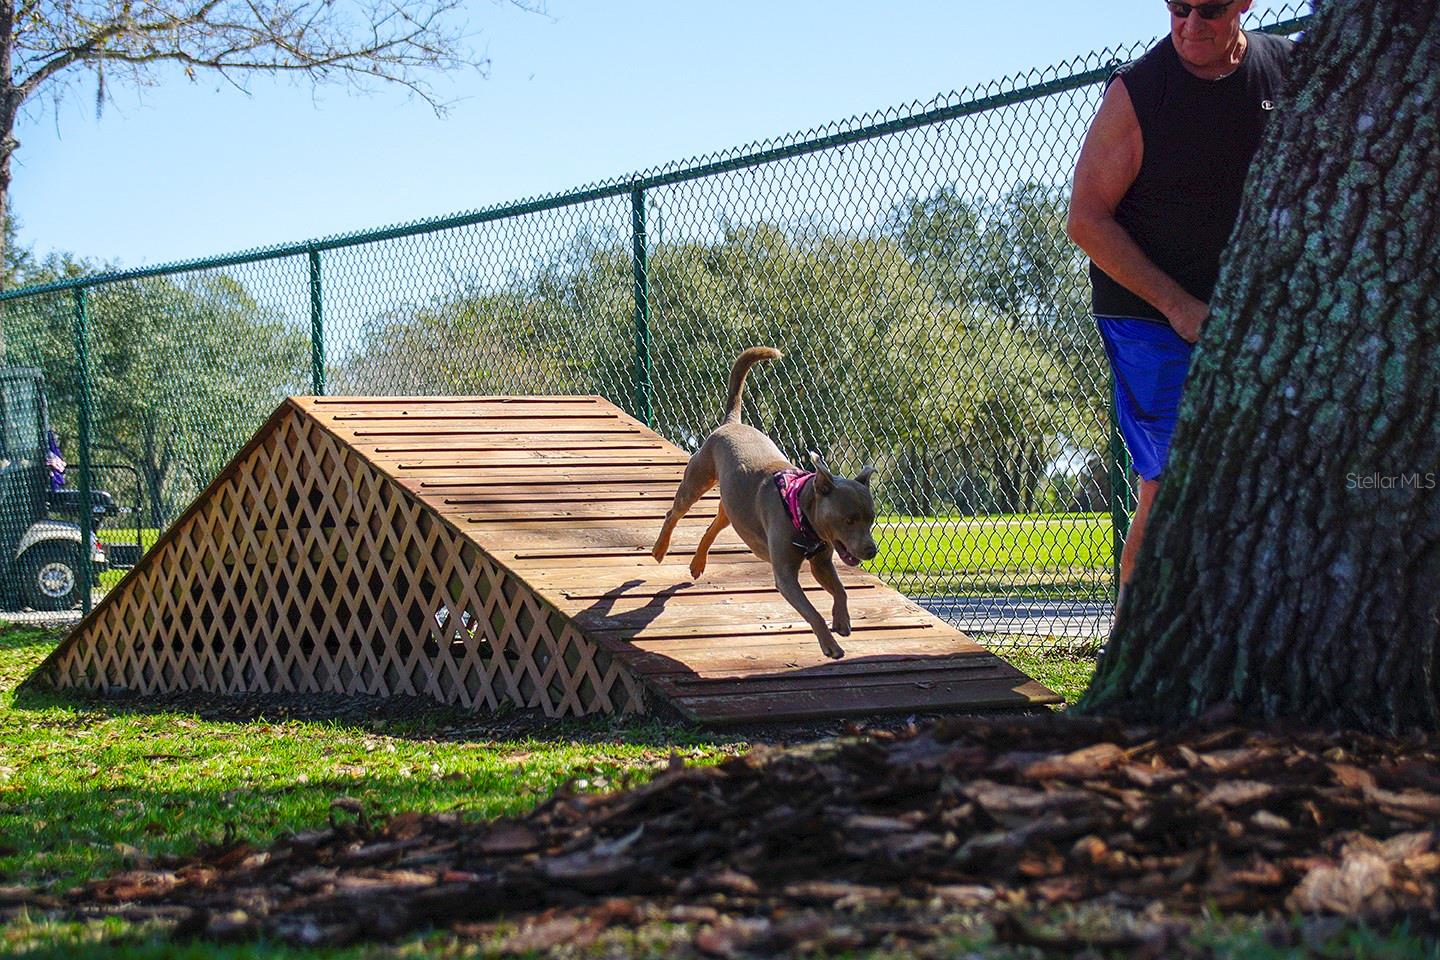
[
  {"x": 83, "y": 398},
  {"x": 1121, "y": 502},
  {"x": 643, "y": 396},
  {"x": 317, "y": 328}
]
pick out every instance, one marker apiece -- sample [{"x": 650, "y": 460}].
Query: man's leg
[
  {"x": 1133, "y": 539},
  {"x": 1148, "y": 489}
]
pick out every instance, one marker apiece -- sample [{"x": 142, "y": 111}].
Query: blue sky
[{"x": 587, "y": 92}]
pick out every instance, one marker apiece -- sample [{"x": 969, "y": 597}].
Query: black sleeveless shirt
[{"x": 1199, "y": 138}]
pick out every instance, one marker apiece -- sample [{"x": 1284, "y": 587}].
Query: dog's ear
[
  {"x": 824, "y": 480},
  {"x": 864, "y": 475}
]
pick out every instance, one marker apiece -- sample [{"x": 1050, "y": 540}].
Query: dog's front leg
[
  {"x": 787, "y": 581},
  {"x": 823, "y": 566}
]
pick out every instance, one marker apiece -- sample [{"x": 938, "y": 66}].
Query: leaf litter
[{"x": 869, "y": 839}]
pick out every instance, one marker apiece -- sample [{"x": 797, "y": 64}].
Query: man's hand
[{"x": 1188, "y": 317}]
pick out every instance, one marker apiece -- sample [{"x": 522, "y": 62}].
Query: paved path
[
  {"x": 1030, "y": 616},
  {"x": 62, "y": 618}
]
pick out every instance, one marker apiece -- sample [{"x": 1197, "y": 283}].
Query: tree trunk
[
  {"x": 9, "y": 111},
  {"x": 914, "y": 482},
  {"x": 1291, "y": 569}
]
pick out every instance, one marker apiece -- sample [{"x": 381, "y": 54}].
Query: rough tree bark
[
  {"x": 9, "y": 107},
  {"x": 1292, "y": 566}
]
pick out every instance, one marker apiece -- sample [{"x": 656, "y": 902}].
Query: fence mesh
[{"x": 912, "y": 265}]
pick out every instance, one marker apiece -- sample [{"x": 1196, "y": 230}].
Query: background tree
[
  {"x": 1293, "y": 565},
  {"x": 537, "y": 331},
  {"x": 182, "y": 372},
  {"x": 954, "y": 401},
  {"x": 1009, "y": 269},
  {"x": 47, "y": 46},
  {"x": 20, "y": 267}
]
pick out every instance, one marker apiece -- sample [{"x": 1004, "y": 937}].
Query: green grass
[
  {"x": 1216, "y": 938},
  {"x": 1065, "y": 673},
  {"x": 122, "y": 534},
  {"x": 930, "y": 544},
  {"x": 1064, "y": 556},
  {"x": 86, "y": 787}
]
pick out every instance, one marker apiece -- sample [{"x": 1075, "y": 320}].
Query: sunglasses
[{"x": 1207, "y": 11}]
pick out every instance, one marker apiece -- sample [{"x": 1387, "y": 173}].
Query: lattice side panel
[{"x": 308, "y": 570}]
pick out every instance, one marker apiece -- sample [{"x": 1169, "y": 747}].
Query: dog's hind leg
[
  {"x": 697, "y": 562},
  {"x": 822, "y": 565},
  {"x": 699, "y": 478}
]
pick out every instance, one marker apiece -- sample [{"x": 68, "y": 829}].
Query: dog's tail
[{"x": 742, "y": 366}]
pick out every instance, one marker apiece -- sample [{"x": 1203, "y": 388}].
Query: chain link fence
[{"x": 912, "y": 265}]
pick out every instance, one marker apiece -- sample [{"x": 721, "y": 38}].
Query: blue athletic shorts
[{"x": 1150, "y": 361}]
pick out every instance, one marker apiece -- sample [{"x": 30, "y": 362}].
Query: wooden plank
[
  {"x": 570, "y": 475},
  {"x": 517, "y": 460},
  {"x": 652, "y": 511},
  {"x": 542, "y": 490},
  {"x": 785, "y": 705},
  {"x": 672, "y": 593},
  {"x": 626, "y": 566},
  {"x": 517, "y": 538},
  {"x": 436, "y": 419},
  {"x": 884, "y": 675},
  {"x": 731, "y": 574},
  {"x": 555, "y": 530},
  {"x": 648, "y": 580},
  {"x": 538, "y": 430},
  {"x": 321, "y": 403},
  {"x": 664, "y": 499},
  {"x": 328, "y": 408},
  {"x": 737, "y": 565},
  {"x": 792, "y": 648},
  {"x": 645, "y": 516},
  {"x": 734, "y": 633},
  {"x": 862, "y": 655},
  {"x": 747, "y": 626},
  {"x": 469, "y": 443},
  {"x": 618, "y": 554},
  {"x": 520, "y": 456},
  {"x": 733, "y": 590},
  {"x": 530, "y": 475},
  {"x": 647, "y": 619}
]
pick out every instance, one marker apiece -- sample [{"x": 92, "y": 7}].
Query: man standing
[{"x": 1157, "y": 191}]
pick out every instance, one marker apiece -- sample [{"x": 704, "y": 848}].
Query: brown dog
[{"x": 783, "y": 515}]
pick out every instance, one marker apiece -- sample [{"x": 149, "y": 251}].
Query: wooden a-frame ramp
[{"x": 484, "y": 551}]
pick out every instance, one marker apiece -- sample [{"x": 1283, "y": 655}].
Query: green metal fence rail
[{"x": 912, "y": 265}]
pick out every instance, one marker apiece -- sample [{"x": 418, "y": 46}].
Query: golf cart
[{"x": 40, "y": 553}]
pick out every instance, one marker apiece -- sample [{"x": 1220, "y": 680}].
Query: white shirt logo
[{"x": 1267, "y": 104}]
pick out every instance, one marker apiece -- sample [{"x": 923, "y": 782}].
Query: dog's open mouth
[{"x": 846, "y": 555}]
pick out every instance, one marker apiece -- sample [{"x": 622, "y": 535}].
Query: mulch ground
[{"x": 862, "y": 841}]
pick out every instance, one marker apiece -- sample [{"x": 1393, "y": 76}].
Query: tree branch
[{"x": 385, "y": 40}]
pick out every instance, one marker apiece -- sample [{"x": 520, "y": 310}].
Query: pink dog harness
[{"x": 791, "y": 483}]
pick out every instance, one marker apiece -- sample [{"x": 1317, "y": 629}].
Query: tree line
[{"x": 950, "y": 345}]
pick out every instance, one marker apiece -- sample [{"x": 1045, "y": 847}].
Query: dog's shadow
[
  {"x": 619, "y": 634},
  {"x": 601, "y": 615}
]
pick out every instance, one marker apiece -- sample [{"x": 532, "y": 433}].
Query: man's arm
[{"x": 1109, "y": 162}]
